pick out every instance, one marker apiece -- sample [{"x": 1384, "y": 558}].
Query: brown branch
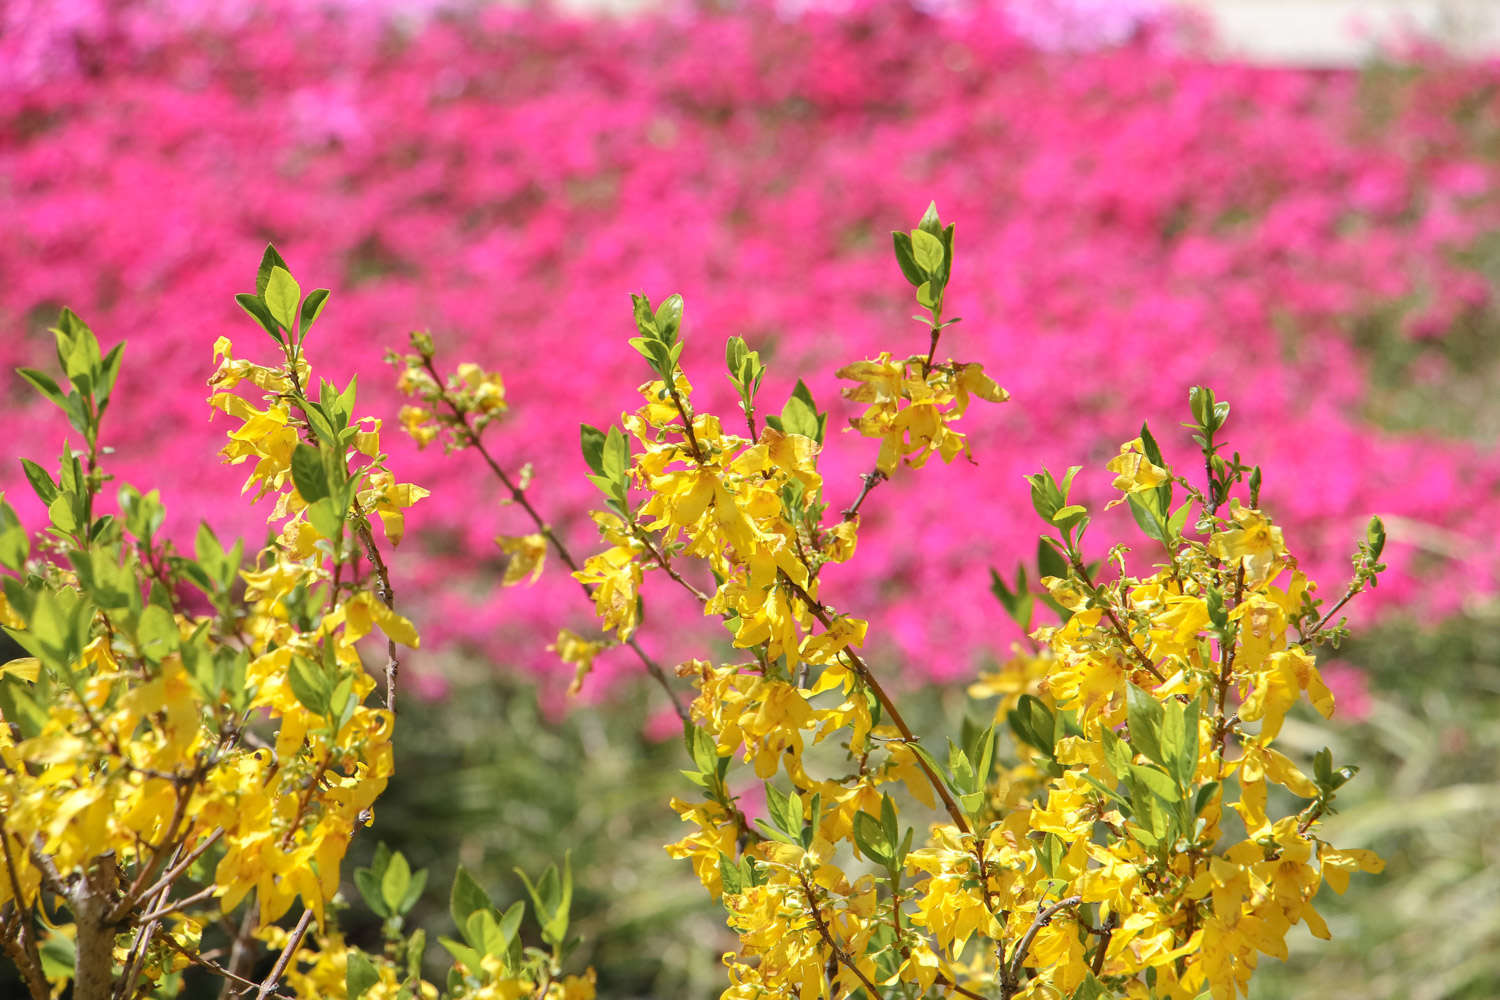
[
  {"x": 211, "y": 966},
  {"x": 242, "y": 948},
  {"x": 1120, "y": 630},
  {"x": 186, "y": 862},
  {"x": 1105, "y": 934},
  {"x": 1010, "y": 973},
  {"x": 387, "y": 596},
  {"x": 1226, "y": 664},
  {"x": 27, "y": 958},
  {"x": 1348, "y": 596},
  {"x": 661, "y": 560},
  {"x": 180, "y": 904},
  {"x": 687, "y": 421},
  {"x": 838, "y": 953},
  {"x": 518, "y": 495},
  {"x": 820, "y": 612},
  {"x": 871, "y": 479},
  {"x": 268, "y": 985}
]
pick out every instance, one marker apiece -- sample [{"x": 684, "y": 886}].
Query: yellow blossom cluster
[
  {"x": 1101, "y": 861},
  {"x": 188, "y": 733},
  {"x": 470, "y": 397}
]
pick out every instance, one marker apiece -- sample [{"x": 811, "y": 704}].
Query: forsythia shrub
[
  {"x": 1121, "y": 825},
  {"x": 187, "y": 746}
]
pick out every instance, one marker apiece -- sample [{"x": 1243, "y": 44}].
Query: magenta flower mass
[{"x": 1134, "y": 220}]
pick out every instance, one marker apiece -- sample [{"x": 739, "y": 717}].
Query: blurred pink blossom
[{"x": 1131, "y": 221}]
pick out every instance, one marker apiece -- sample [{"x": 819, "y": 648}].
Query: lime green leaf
[
  {"x": 282, "y": 297},
  {"x": 359, "y": 975},
  {"x": 927, "y": 250}
]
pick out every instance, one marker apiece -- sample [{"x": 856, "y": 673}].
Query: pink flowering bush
[{"x": 1136, "y": 221}]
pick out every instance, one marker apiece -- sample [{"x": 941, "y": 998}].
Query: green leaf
[
  {"x": 785, "y": 810},
  {"x": 731, "y": 875},
  {"x": 308, "y": 473},
  {"x": 615, "y": 459},
  {"x": 645, "y": 319},
  {"x": 1178, "y": 520},
  {"x": 359, "y": 975},
  {"x": 268, "y": 260},
  {"x": 801, "y": 416},
  {"x": 312, "y": 308},
  {"x": 1323, "y": 767},
  {"x": 326, "y": 518},
  {"x": 927, "y": 251},
  {"x": 77, "y": 350},
  {"x": 1050, "y": 853},
  {"x": 282, "y": 297},
  {"x": 1161, "y": 785},
  {"x": 58, "y": 954},
  {"x": 1375, "y": 536},
  {"x": 62, "y": 514},
  {"x": 906, "y": 258},
  {"x": 1069, "y": 514},
  {"x": 483, "y": 932},
  {"x": 1179, "y": 740},
  {"x": 1046, "y": 498},
  {"x": 257, "y": 311},
  {"x": 591, "y": 440},
  {"x": 309, "y": 685},
  {"x": 930, "y": 222},
  {"x": 1144, "y": 508},
  {"x": 461, "y": 953},
  {"x": 43, "y": 383},
  {"x": 156, "y": 633},
  {"x": 1116, "y": 753},
  {"x": 870, "y": 837},
  {"x": 1033, "y": 723},
  {"x": 1144, "y": 714},
  {"x": 395, "y": 881},
  {"x": 1151, "y": 448},
  {"x": 669, "y": 317},
  {"x": 1090, "y": 989},
  {"x": 15, "y": 546},
  {"x": 368, "y": 884},
  {"x": 927, "y": 758},
  {"x": 41, "y": 483},
  {"x": 466, "y": 898},
  {"x": 926, "y": 298},
  {"x": 109, "y": 370}
]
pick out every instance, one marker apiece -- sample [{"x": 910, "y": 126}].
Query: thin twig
[
  {"x": 838, "y": 953},
  {"x": 1120, "y": 630},
  {"x": 213, "y": 967},
  {"x": 1105, "y": 934},
  {"x": 1010, "y": 973},
  {"x": 871, "y": 479},
  {"x": 661, "y": 560},
  {"x": 186, "y": 862},
  {"x": 387, "y": 596},
  {"x": 518, "y": 495},
  {"x": 820, "y": 612},
  {"x": 268, "y": 985},
  {"x": 180, "y": 904}
]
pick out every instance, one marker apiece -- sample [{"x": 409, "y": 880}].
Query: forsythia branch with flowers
[
  {"x": 188, "y": 746},
  {"x": 1111, "y": 832}
]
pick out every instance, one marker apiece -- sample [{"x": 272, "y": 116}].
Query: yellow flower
[
  {"x": 1134, "y": 473},
  {"x": 1253, "y": 542},
  {"x": 528, "y": 554}
]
